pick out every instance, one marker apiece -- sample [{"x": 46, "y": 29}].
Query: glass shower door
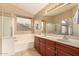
[
  {"x": 0, "y": 32},
  {"x": 7, "y": 41},
  {"x": 7, "y": 20}
]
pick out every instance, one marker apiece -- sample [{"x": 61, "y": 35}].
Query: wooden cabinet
[
  {"x": 50, "y": 48},
  {"x": 42, "y": 49},
  {"x": 62, "y": 53},
  {"x": 37, "y": 43},
  {"x": 47, "y": 47},
  {"x": 50, "y": 51},
  {"x": 42, "y": 46},
  {"x": 66, "y": 50}
]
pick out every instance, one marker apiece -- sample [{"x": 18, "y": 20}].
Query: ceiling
[{"x": 32, "y": 8}]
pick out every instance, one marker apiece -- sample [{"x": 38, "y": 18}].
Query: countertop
[{"x": 59, "y": 38}]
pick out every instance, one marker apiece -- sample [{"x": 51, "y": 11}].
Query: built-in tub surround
[
  {"x": 7, "y": 46},
  {"x": 23, "y": 41},
  {"x": 72, "y": 41}
]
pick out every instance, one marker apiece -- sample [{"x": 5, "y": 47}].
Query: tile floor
[{"x": 28, "y": 52}]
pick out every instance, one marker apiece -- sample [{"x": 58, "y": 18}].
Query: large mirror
[
  {"x": 64, "y": 27},
  {"x": 64, "y": 23}
]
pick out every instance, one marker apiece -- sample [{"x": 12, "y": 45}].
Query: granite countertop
[{"x": 59, "y": 38}]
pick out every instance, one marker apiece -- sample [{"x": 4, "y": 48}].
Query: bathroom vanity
[
  {"x": 50, "y": 46},
  {"x": 56, "y": 28}
]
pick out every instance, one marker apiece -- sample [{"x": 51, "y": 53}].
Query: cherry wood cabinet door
[
  {"x": 50, "y": 43},
  {"x": 42, "y": 46},
  {"x": 42, "y": 49},
  {"x": 35, "y": 40},
  {"x": 37, "y": 44},
  {"x": 62, "y": 53},
  {"x": 50, "y": 51},
  {"x": 50, "y": 48}
]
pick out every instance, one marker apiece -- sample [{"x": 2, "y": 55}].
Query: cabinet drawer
[
  {"x": 42, "y": 40},
  {"x": 50, "y": 51},
  {"x": 61, "y": 53},
  {"x": 50, "y": 43},
  {"x": 42, "y": 44},
  {"x": 66, "y": 48},
  {"x": 50, "y": 48}
]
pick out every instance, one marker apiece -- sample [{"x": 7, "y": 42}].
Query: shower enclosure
[{"x": 6, "y": 32}]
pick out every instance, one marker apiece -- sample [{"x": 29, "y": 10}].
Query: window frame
[{"x": 28, "y": 31}]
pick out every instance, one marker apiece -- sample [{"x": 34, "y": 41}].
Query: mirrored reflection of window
[
  {"x": 23, "y": 24},
  {"x": 76, "y": 17},
  {"x": 64, "y": 27},
  {"x": 42, "y": 25}
]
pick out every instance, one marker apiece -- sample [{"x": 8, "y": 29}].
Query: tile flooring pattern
[{"x": 28, "y": 52}]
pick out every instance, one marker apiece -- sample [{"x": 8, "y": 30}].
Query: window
[{"x": 23, "y": 24}]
